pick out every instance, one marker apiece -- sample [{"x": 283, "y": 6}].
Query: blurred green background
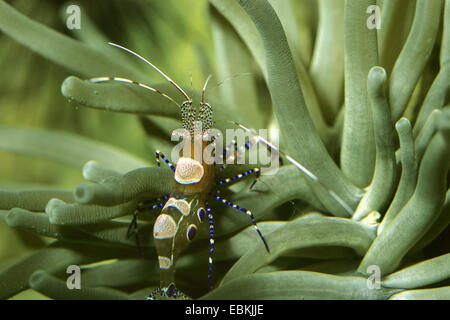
[
  {"x": 170, "y": 33},
  {"x": 176, "y": 36},
  {"x": 30, "y": 85}
]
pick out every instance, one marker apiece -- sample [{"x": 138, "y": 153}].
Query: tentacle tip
[
  {"x": 376, "y": 77},
  {"x": 67, "y": 85},
  {"x": 378, "y": 71},
  {"x": 53, "y": 204},
  {"x": 402, "y": 123},
  {"x": 37, "y": 278},
  {"x": 89, "y": 168},
  {"x": 12, "y": 218},
  {"x": 83, "y": 193}
]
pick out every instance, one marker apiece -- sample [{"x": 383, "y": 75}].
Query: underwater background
[{"x": 366, "y": 110}]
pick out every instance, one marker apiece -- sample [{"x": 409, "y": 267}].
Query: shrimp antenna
[
  {"x": 308, "y": 173},
  {"x": 205, "y": 114},
  {"x": 245, "y": 74},
  {"x": 154, "y": 67},
  {"x": 204, "y": 89},
  {"x": 142, "y": 85}
]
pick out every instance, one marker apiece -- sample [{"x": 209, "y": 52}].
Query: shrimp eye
[
  {"x": 191, "y": 231},
  {"x": 201, "y": 213}
]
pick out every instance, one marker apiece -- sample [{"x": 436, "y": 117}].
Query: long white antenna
[
  {"x": 143, "y": 85},
  {"x": 308, "y": 173},
  {"x": 204, "y": 89},
  {"x": 154, "y": 67}
]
